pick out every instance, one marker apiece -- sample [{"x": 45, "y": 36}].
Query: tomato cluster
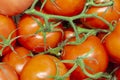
[{"x": 60, "y": 40}]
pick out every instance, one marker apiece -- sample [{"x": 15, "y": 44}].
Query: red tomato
[
  {"x": 108, "y": 13},
  {"x": 14, "y": 7},
  {"x": 7, "y": 72},
  {"x": 17, "y": 60},
  {"x": 117, "y": 74},
  {"x": 112, "y": 44},
  {"x": 7, "y": 26},
  {"x": 27, "y": 26},
  {"x": 64, "y": 7},
  {"x": 68, "y": 33},
  {"x": 40, "y": 67},
  {"x": 97, "y": 60},
  {"x": 101, "y": 35}
]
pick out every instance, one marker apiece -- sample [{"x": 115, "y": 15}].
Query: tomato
[
  {"x": 64, "y": 7},
  {"x": 101, "y": 35},
  {"x": 27, "y": 26},
  {"x": 7, "y": 26},
  {"x": 109, "y": 13},
  {"x": 14, "y": 7},
  {"x": 7, "y": 72},
  {"x": 117, "y": 74},
  {"x": 68, "y": 33},
  {"x": 97, "y": 61},
  {"x": 17, "y": 60},
  {"x": 40, "y": 67},
  {"x": 112, "y": 44}
]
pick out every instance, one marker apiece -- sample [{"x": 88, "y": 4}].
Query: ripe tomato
[
  {"x": 117, "y": 74},
  {"x": 14, "y": 7},
  {"x": 17, "y": 60},
  {"x": 97, "y": 61},
  {"x": 110, "y": 14},
  {"x": 68, "y": 33},
  {"x": 101, "y": 35},
  {"x": 7, "y": 72},
  {"x": 7, "y": 26},
  {"x": 40, "y": 67},
  {"x": 64, "y": 7},
  {"x": 27, "y": 26},
  {"x": 112, "y": 44}
]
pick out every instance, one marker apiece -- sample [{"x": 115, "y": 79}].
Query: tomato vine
[
  {"x": 79, "y": 61},
  {"x": 71, "y": 19}
]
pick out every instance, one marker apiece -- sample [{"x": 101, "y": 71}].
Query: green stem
[
  {"x": 76, "y": 32},
  {"x": 70, "y": 71},
  {"x": 69, "y": 19},
  {"x": 2, "y": 37},
  {"x": 111, "y": 28},
  {"x": 92, "y": 3},
  {"x": 1, "y": 50},
  {"x": 47, "y": 24},
  {"x": 82, "y": 66},
  {"x": 43, "y": 5},
  {"x": 33, "y": 4}
]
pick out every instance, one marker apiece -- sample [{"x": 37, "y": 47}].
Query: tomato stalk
[
  {"x": 7, "y": 42},
  {"x": 56, "y": 51},
  {"x": 92, "y": 3},
  {"x": 79, "y": 62},
  {"x": 88, "y": 4},
  {"x": 67, "y": 74},
  {"x": 87, "y": 32}
]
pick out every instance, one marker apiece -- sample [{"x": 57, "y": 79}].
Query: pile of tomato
[{"x": 60, "y": 40}]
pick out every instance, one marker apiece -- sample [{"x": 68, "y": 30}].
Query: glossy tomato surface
[
  {"x": 112, "y": 44},
  {"x": 41, "y": 67},
  {"x": 18, "y": 58},
  {"x": 109, "y": 13},
  {"x": 117, "y": 74},
  {"x": 64, "y": 7},
  {"x": 36, "y": 42},
  {"x": 14, "y": 7},
  {"x": 7, "y": 27},
  {"x": 7, "y": 72},
  {"x": 97, "y": 60}
]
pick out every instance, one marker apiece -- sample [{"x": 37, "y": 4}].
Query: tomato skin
[
  {"x": 42, "y": 66},
  {"x": 70, "y": 8},
  {"x": 112, "y": 44},
  {"x": 27, "y": 26},
  {"x": 108, "y": 13},
  {"x": 71, "y": 52},
  {"x": 7, "y": 26},
  {"x": 17, "y": 60},
  {"x": 14, "y": 7},
  {"x": 68, "y": 33},
  {"x": 101, "y": 35},
  {"x": 7, "y": 72},
  {"x": 117, "y": 74}
]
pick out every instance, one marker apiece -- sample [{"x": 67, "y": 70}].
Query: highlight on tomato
[
  {"x": 17, "y": 58},
  {"x": 14, "y": 7},
  {"x": 112, "y": 44},
  {"x": 93, "y": 62},
  {"x": 70, "y": 7},
  {"x": 35, "y": 37},
  {"x": 7, "y": 34},
  {"x": 108, "y": 13},
  {"x": 44, "y": 67},
  {"x": 7, "y": 72},
  {"x": 59, "y": 39}
]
